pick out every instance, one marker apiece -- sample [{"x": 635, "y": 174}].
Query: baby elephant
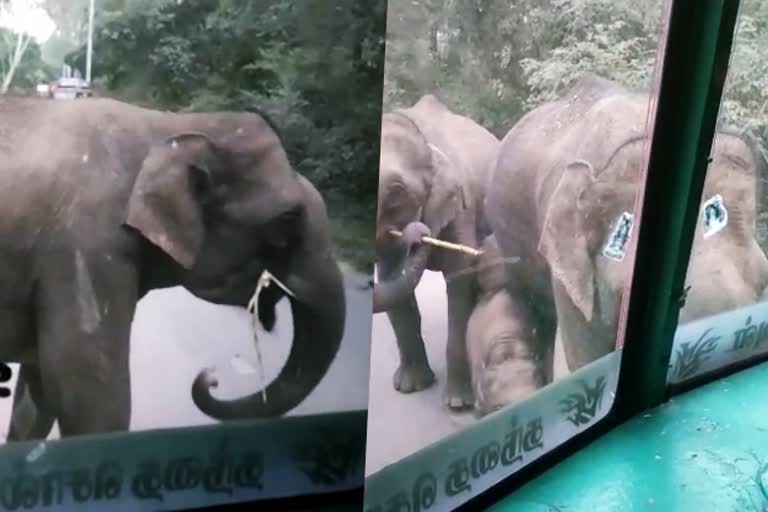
[{"x": 499, "y": 333}]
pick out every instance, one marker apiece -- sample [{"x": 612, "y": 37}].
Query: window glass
[
  {"x": 725, "y": 316},
  {"x": 516, "y": 136},
  {"x": 186, "y": 241}
]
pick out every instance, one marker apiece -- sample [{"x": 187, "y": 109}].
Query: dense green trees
[
  {"x": 31, "y": 68},
  {"x": 21, "y": 62},
  {"x": 494, "y": 60}
]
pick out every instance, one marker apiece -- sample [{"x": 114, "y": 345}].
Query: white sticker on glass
[
  {"x": 616, "y": 247},
  {"x": 715, "y": 215}
]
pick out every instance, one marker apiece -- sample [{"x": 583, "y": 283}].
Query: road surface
[
  {"x": 174, "y": 335},
  {"x": 399, "y": 424}
]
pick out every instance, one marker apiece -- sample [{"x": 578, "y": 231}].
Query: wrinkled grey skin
[
  {"x": 101, "y": 202},
  {"x": 432, "y": 170},
  {"x": 499, "y": 334},
  {"x": 564, "y": 175}
]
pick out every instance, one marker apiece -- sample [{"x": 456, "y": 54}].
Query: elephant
[
  {"x": 102, "y": 201},
  {"x": 561, "y": 197},
  {"x": 499, "y": 334},
  {"x": 432, "y": 171}
]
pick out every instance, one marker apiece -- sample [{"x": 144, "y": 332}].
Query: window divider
[{"x": 693, "y": 73}]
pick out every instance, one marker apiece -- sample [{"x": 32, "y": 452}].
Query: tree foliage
[
  {"x": 494, "y": 60},
  {"x": 30, "y": 70},
  {"x": 21, "y": 64}
]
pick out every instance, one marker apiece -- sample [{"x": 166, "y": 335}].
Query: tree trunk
[{"x": 22, "y": 42}]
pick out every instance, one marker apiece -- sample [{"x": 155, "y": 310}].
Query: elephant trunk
[
  {"x": 319, "y": 311},
  {"x": 390, "y": 290}
]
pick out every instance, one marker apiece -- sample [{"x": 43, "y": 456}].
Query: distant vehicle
[
  {"x": 69, "y": 89},
  {"x": 43, "y": 90}
]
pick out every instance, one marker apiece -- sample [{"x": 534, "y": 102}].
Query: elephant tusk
[{"x": 442, "y": 244}]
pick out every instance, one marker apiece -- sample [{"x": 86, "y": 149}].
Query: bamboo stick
[{"x": 471, "y": 251}]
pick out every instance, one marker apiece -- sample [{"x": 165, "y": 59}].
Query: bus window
[
  {"x": 513, "y": 154},
  {"x": 186, "y": 249},
  {"x": 724, "y": 319}
]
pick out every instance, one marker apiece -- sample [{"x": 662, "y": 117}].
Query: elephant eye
[
  {"x": 390, "y": 209},
  {"x": 499, "y": 354},
  {"x": 284, "y": 229},
  {"x": 287, "y": 224},
  {"x": 289, "y": 218},
  {"x": 396, "y": 197}
]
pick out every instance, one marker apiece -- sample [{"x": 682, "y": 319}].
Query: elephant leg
[
  {"x": 458, "y": 393},
  {"x": 86, "y": 306},
  {"x": 414, "y": 372},
  {"x": 544, "y": 338},
  {"x": 31, "y": 417}
]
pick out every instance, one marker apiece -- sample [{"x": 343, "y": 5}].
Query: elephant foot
[
  {"x": 411, "y": 378},
  {"x": 458, "y": 396}
]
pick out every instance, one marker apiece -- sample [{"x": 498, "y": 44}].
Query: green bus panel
[{"x": 705, "y": 450}]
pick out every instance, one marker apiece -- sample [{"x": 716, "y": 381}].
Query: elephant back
[{"x": 594, "y": 122}]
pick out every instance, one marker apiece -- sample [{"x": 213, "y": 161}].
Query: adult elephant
[
  {"x": 432, "y": 171},
  {"x": 561, "y": 197},
  {"x": 101, "y": 202}
]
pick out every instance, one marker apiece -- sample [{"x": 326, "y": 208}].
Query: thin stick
[
  {"x": 264, "y": 282},
  {"x": 442, "y": 244}
]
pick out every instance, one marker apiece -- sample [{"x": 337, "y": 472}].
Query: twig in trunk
[
  {"x": 265, "y": 280},
  {"x": 443, "y": 244}
]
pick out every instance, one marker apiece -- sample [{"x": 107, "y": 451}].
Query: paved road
[
  {"x": 175, "y": 335},
  {"x": 398, "y": 424}
]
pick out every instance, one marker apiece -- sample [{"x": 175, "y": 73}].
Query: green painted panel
[
  {"x": 704, "y": 450},
  {"x": 447, "y": 474},
  {"x": 175, "y": 469}
]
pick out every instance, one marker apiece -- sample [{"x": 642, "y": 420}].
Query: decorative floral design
[
  {"x": 330, "y": 457},
  {"x": 692, "y": 355},
  {"x": 581, "y": 407}
]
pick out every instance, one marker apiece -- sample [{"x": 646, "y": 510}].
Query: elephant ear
[
  {"x": 166, "y": 201},
  {"x": 446, "y": 196},
  {"x": 564, "y": 239}
]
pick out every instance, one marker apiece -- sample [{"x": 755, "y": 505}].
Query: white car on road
[{"x": 70, "y": 89}]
